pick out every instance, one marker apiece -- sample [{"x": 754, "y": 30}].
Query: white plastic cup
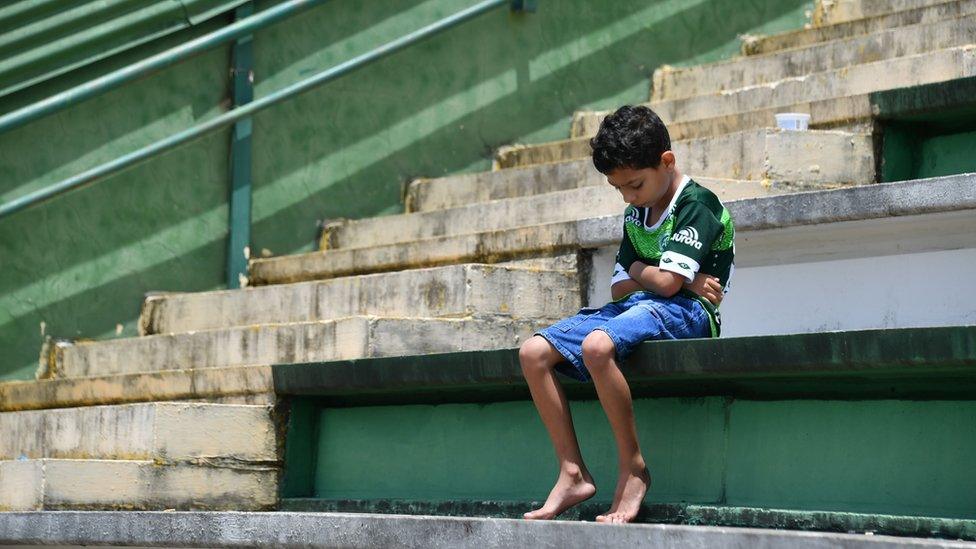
[{"x": 793, "y": 121}]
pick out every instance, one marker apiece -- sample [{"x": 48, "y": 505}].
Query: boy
[{"x": 672, "y": 270}]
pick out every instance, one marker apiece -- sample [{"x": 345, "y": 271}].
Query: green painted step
[
  {"x": 811, "y": 422},
  {"x": 900, "y": 363}
]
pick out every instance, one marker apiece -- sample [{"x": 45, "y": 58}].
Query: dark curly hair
[{"x": 631, "y": 137}]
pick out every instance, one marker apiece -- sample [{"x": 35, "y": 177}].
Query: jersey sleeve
[
  {"x": 695, "y": 229},
  {"x": 626, "y": 256}
]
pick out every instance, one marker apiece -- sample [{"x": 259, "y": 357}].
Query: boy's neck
[{"x": 665, "y": 200}]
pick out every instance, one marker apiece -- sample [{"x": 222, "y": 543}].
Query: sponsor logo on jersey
[
  {"x": 687, "y": 236},
  {"x": 633, "y": 216}
]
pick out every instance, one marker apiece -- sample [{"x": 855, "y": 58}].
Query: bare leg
[
  {"x": 574, "y": 483},
  {"x": 599, "y": 355}
]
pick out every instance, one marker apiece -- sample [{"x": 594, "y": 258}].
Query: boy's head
[{"x": 633, "y": 149}]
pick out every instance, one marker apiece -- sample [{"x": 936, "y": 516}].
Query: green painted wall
[
  {"x": 79, "y": 266},
  {"x": 915, "y": 151},
  {"x": 879, "y": 456}
]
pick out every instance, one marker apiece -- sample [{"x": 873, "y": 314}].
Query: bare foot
[
  {"x": 627, "y": 500},
  {"x": 571, "y": 488}
]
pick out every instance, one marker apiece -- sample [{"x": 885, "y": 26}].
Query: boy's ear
[{"x": 667, "y": 159}]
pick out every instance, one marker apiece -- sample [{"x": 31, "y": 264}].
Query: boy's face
[{"x": 644, "y": 187}]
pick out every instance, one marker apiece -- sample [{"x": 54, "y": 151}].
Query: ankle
[
  {"x": 636, "y": 467},
  {"x": 574, "y": 471}
]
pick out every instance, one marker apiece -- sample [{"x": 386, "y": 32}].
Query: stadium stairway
[{"x": 378, "y": 374}]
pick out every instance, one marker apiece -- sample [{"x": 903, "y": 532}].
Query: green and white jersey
[{"x": 695, "y": 235}]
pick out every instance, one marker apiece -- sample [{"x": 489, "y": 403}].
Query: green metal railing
[{"x": 242, "y": 112}]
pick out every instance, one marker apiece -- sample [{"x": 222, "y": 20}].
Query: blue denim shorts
[{"x": 635, "y": 318}]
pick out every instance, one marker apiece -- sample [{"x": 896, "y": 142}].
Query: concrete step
[
  {"x": 342, "y": 339},
  {"x": 806, "y": 37},
  {"x": 459, "y": 191},
  {"x": 832, "y": 12},
  {"x": 362, "y": 530},
  {"x": 816, "y": 94},
  {"x": 852, "y": 113},
  {"x": 484, "y": 247},
  {"x": 476, "y": 217},
  {"x": 163, "y": 432},
  {"x": 457, "y": 291},
  {"x": 133, "y": 484},
  {"x": 669, "y": 513},
  {"x": 901, "y": 72},
  {"x": 232, "y": 385},
  {"x": 674, "y": 82},
  {"x": 828, "y": 157},
  {"x": 454, "y": 191}
]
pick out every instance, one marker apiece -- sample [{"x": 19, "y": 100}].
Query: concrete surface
[
  {"x": 161, "y": 431},
  {"x": 481, "y": 247},
  {"x": 832, "y": 12},
  {"x": 347, "y": 338},
  {"x": 805, "y": 37},
  {"x": 137, "y": 484},
  {"x": 887, "y": 74},
  {"x": 238, "y": 384},
  {"x": 441, "y": 292},
  {"x": 674, "y": 82},
  {"x": 810, "y": 157},
  {"x": 370, "y": 530}
]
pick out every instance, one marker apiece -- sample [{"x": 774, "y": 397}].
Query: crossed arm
[{"x": 666, "y": 283}]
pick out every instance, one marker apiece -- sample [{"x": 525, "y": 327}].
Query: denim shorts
[{"x": 635, "y": 318}]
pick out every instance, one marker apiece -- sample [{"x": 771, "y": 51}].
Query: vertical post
[{"x": 239, "y": 237}]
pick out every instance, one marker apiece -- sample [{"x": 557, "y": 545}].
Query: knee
[
  {"x": 534, "y": 354},
  {"x": 598, "y": 349}
]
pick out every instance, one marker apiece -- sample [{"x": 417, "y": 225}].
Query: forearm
[
  {"x": 624, "y": 287},
  {"x": 653, "y": 279}
]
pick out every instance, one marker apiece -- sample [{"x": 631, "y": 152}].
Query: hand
[{"x": 708, "y": 287}]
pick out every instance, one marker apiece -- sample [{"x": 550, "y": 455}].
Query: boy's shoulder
[{"x": 694, "y": 194}]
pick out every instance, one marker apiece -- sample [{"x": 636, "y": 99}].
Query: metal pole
[
  {"x": 159, "y": 61},
  {"x": 239, "y": 215},
  {"x": 245, "y": 111}
]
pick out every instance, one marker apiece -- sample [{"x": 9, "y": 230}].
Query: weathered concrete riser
[
  {"x": 827, "y": 157},
  {"x": 162, "y": 432},
  {"x": 483, "y": 247},
  {"x": 832, "y": 12},
  {"x": 806, "y": 37},
  {"x": 134, "y": 484},
  {"x": 231, "y": 385},
  {"x": 476, "y": 217},
  {"x": 343, "y": 339},
  {"x": 542, "y": 174},
  {"x": 443, "y": 292},
  {"x": 675, "y": 83},
  {"x": 440, "y": 193},
  {"x": 856, "y": 80},
  {"x": 851, "y": 113}
]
